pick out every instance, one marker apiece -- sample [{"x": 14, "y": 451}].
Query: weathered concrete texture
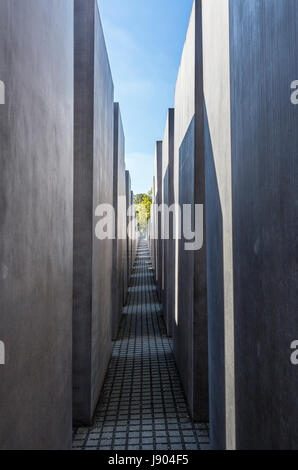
[
  {"x": 168, "y": 252},
  {"x": 215, "y": 282},
  {"x": 133, "y": 238},
  {"x": 250, "y": 59},
  {"x": 93, "y": 185},
  {"x": 190, "y": 335},
  {"x": 265, "y": 224},
  {"x": 135, "y": 234},
  {"x": 128, "y": 221},
  {"x": 215, "y": 19},
  {"x": 158, "y": 217},
  {"x": 151, "y": 229},
  {"x": 36, "y": 219},
  {"x": 119, "y": 244},
  {"x": 132, "y": 233},
  {"x": 124, "y": 251}
]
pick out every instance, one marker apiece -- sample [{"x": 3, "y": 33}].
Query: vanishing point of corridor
[{"x": 142, "y": 406}]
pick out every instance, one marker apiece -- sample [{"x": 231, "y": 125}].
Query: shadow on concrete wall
[{"x": 215, "y": 282}]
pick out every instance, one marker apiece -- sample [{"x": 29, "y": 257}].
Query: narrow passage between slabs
[{"x": 142, "y": 405}]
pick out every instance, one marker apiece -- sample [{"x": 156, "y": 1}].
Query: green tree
[
  {"x": 138, "y": 199},
  {"x": 143, "y": 204}
]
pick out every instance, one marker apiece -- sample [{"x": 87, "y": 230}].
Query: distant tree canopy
[{"x": 143, "y": 204}]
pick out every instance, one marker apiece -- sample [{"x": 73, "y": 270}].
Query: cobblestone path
[{"x": 142, "y": 406}]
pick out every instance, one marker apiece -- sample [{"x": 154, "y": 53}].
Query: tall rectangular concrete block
[
  {"x": 125, "y": 253},
  {"x": 132, "y": 245},
  {"x": 36, "y": 223},
  {"x": 128, "y": 220},
  {"x": 168, "y": 254},
  {"x": 158, "y": 221},
  {"x": 93, "y": 185},
  {"x": 134, "y": 233},
  {"x": 251, "y": 141},
  {"x": 151, "y": 229},
  {"x": 119, "y": 243},
  {"x": 191, "y": 335}
]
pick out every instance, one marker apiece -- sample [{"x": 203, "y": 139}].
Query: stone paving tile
[{"x": 142, "y": 405}]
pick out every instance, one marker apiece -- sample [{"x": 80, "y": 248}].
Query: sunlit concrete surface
[
  {"x": 190, "y": 327},
  {"x": 158, "y": 202},
  {"x": 120, "y": 243}
]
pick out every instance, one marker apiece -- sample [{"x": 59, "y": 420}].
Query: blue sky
[{"x": 145, "y": 40}]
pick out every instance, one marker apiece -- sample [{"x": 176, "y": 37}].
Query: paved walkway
[{"x": 142, "y": 406}]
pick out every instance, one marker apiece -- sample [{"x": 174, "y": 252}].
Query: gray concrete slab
[
  {"x": 251, "y": 189},
  {"x": 93, "y": 185},
  {"x": 191, "y": 332},
  {"x": 151, "y": 229},
  {"x": 135, "y": 232},
  {"x": 158, "y": 202},
  {"x": 119, "y": 244},
  {"x": 132, "y": 246},
  {"x": 128, "y": 220},
  {"x": 168, "y": 255},
  {"x": 216, "y": 50},
  {"x": 36, "y": 223},
  {"x": 265, "y": 225}
]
